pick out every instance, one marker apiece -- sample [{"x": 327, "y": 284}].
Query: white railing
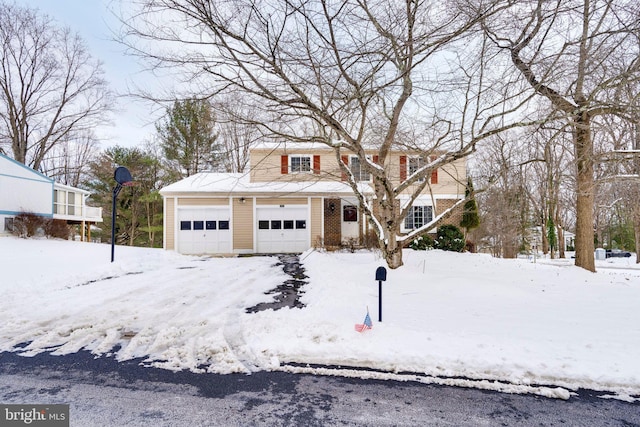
[
  {"x": 63, "y": 211},
  {"x": 92, "y": 212}
]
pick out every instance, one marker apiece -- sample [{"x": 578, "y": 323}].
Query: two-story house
[
  {"x": 294, "y": 197},
  {"x": 24, "y": 190}
]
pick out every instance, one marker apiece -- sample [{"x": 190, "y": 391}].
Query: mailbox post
[{"x": 381, "y": 276}]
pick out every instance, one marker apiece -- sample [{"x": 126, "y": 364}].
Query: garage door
[
  {"x": 204, "y": 231},
  {"x": 282, "y": 229}
]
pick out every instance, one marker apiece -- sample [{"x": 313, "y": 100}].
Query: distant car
[{"x": 617, "y": 253}]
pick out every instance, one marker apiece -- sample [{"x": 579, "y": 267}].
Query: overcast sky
[{"x": 92, "y": 19}]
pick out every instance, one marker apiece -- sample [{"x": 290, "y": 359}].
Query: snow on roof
[{"x": 229, "y": 183}]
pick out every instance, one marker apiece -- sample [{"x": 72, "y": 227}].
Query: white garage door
[
  {"x": 282, "y": 229},
  {"x": 204, "y": 230}
]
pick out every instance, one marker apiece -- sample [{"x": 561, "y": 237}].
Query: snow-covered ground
[{"x": 542, "y": 327}]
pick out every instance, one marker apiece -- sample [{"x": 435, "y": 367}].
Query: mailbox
[{"x": 381, "y": 276}]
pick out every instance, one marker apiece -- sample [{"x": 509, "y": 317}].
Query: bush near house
[
  {"x": 449, "y": 238},
  {"x": 28, "y": 224},
  {"x": 57, "y": 229},
  {"x": 422, "y": 243}
]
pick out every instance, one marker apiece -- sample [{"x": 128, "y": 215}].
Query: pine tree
[
  {"x": 187, "y": 137},
  {"x": 470, "y": 217}
]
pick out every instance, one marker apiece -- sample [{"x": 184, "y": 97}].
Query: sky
[
  {"x": 93, "y": 20},
  {"x": 534, "y": 326}
]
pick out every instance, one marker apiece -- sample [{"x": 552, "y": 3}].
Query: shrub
[
  {"x": 449, "y": 238},
  {"x": 422, "y": 243},
  {"x": 27, "y": 224},
  {"x": 57, "y": 228}
]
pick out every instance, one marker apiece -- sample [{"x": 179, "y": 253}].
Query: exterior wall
[
  {"x": 169, "y": 223},
  {"x": 332, "y": 223},
  {"x": 444, "y": 204},
  {"x": 266, "y": 167},
  {"x": 203, "y": 201},
  {"x": 243, "y": 224},
  {"x": 316, "y": 222},
  {"x": 24, "y": 190},
  {"x": 275, "y": 201}
]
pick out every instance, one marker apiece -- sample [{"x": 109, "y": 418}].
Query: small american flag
[{"x": 367, "y": 324}]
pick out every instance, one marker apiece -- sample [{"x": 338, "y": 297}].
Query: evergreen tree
[
  {"x": 470, "y": 217},
  {"x": 139, "y": 208},
  {"x": 187, "y": 137}
]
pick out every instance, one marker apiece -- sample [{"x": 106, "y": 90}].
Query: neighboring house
[
  {"x": 294, "y": 197},
  {"x": 23, "y": 189},
  {"x": 534, "y": 237}
]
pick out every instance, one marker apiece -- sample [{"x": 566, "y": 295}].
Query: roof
[
  {"x": 19, "y": 170},
  {"x": 230, "y": 183}
]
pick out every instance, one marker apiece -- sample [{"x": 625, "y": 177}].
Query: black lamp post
[{"x": 123, "y": 178}]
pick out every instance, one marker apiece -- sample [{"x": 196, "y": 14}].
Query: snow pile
[{"x": 460, "y": 319}]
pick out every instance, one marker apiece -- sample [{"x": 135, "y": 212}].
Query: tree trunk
[
  {"x": 585, "y": 198},
  {"x": 545, "y": 238},
  {"x": 388, "y": 241}
]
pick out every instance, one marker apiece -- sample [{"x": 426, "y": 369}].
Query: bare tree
[
  {"x": 579, "y": 55},
  {"x": 68, "y": 161},
  {"x": 51, "y": 90},
  {"x": 358, "y": 76},
  {"x": 238, "y": 130},
  {"x": 506, "y": 208}
]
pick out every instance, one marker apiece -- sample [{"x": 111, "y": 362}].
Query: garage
[
  {"x": 204, "y": 230},
  {"x": 282, "y": 229}
]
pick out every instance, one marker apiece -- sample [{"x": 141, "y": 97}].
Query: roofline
[{"x": 22, "y": 165}]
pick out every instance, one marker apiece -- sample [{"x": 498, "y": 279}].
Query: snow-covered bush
[
  {"x": 422, "y": 243},
  {"x": 449, "y": 238}
]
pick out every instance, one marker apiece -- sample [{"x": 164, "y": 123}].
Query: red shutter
[
  {"x": 316, "y": 164},
  {"x": 434, "y": 174},
  {"x": 284, "y": 164},
  {"x": 376, "y": 159},
  {"x": 403, "y": 168},
  {"x": 345, "y": 160}
]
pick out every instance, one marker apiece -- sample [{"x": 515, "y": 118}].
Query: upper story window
[
  {"x": 299, "y": 163},
  {"x": 415, "y": 163},
  {"x": 357, "y": 170},
  {"x": 410, "y": 164}
]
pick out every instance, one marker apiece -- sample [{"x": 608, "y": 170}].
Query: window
[
  {"x": 418, "y": 216},
  {"x": 300, "y": 163},
  {"x": 288, "y": 224},
  {"x": 301, "y": 224},
  {"x": 276, "y": 225},
  {"x": 357, "y": 170},
  {"x": 185, "y": 225},
  {"x": 211, "y": 225},
  {"x": 263, "y": 225},
  {"x": 223, "y": 225},
  {"x": 416, "y": 163},
  {"x": 349, "y": 213},
  {"x": 198, "y": 225}
]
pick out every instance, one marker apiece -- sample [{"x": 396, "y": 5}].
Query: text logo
[{"x": 34, "y": 415}]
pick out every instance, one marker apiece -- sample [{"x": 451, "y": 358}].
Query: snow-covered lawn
[{"x": 463, "y": 319}]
